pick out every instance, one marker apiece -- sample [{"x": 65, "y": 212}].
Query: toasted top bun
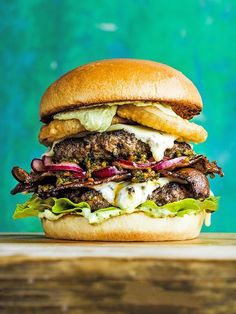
[
  {"x": 133, "y": 227},
  {"x": 121, "y": 80}
]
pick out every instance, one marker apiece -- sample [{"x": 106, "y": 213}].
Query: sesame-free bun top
[{"x": 121, "y": 80}]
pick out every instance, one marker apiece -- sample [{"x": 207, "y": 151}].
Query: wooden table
[{"x": 39, "y": 275}]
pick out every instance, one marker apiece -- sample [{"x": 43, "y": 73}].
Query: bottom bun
[{"x": 133, "y": 227}]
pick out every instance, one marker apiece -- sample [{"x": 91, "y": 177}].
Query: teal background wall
[{"x": 40, "y": 40}]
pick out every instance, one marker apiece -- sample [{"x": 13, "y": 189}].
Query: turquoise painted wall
[{"x": 40, "y": 40}]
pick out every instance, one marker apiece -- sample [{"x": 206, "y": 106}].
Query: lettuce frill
[{"x": 55, "y": 208}]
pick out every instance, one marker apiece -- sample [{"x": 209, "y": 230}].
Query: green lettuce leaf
[
  {"x": 186, "y": 206},
  {"x": 32, "y": 207},
  {"x": 64, "y": 205},
  {"x": 53, "y": 209}
]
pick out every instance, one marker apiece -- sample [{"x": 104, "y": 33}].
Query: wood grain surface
[{"x": 95, "y": 279}]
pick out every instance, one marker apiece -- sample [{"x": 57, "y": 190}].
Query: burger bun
[{"x": 132, "y": 227}]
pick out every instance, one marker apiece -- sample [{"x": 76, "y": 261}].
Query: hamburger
[{"x": 119, "y": 164}]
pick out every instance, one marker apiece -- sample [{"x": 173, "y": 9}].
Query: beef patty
[
  {"x": 170, "y": 192},
  {"x": 92, "y": 197},
  {"x": 109, "y": 146}
]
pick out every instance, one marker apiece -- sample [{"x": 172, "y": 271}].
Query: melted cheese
[
  {"x": 157, "y": 141},
  {"x": 207, "y": 219},
  {"x": 126, "y": 195},
  {"x": 110, "y": 190},
  {"x": 50, "y": 151}
]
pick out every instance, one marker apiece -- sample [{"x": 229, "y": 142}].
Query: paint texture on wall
[{"x": 41, "y": 40}]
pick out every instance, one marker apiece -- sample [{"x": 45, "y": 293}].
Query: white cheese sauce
[
  {"x": 207, "y": 219},
  {"x": 50, "y": 151},
  {"x": 48, "y": 214},
  {"x": 98, "y": 119},
  {"x": 126, "y": 195},
  {"x": 157, "y": 141}
]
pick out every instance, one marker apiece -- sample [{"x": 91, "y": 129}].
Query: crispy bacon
[
  {"x": 24, "y": 187},
  {"x": 28, "y": 182},
  {"x": 205, "y": 166},
  {"x": 73, "y": 184}
]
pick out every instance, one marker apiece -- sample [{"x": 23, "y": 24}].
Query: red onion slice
[
  {"x": 161, "y": 165},
  {"x": 47, "y": 160},
  {"x": 80, "y": 175},
  {"x": 37, "y": 165},
  {"x": 170, "y": 163},
  {"x": 64, "y": 167},
  {"x": 126, "y": 164},
  {"x": 107, "y": 172}
]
